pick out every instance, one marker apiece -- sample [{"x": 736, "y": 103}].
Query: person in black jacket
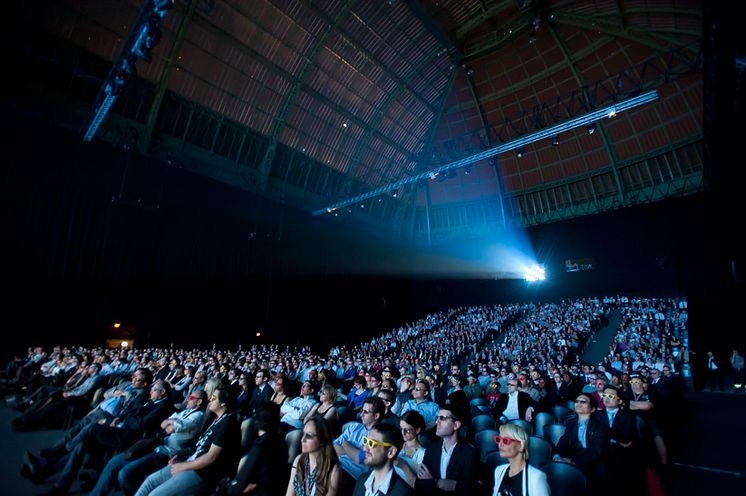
[
  {"x": 381, "y": 446},
  {"x": 461, "y": 471},
  {"x": 585, "y": 440},
  {"x": 623, "y": 455},
  {"x": 134, "y": 421},
  {"x": 263, "y": 472}
]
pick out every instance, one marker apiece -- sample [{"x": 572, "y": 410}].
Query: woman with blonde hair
[
  {"x": 315, "y": 471},
  {"x": 326, "y": 408},
  {"x": 517, "y": 477}
]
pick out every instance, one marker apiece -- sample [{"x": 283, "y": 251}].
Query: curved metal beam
[{"x": 645, "y": 36}]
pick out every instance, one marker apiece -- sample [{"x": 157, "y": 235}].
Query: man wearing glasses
[
  {"x": 295, "y": 410},
  {"x": 514, "y": 405},
  {"x": 622, "y": 455},
  {"x": 349, "y": 444},
  {"x": 421, "y": 403},
  {"x": 449, "y": 466},
  {"x": 381, "y": 447},
  {"x": 131, "y": 468},
  {"x": 262, "y": 392},
  {"x": 129, "y": 395},
  {"x": 121, "y": 432}
]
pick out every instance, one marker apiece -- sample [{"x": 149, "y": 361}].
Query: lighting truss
[
  {"x": 583, "y": 120},
  {"x": 144, "y": 36}
]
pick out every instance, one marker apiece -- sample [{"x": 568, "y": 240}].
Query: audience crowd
[{"x": 477, "y": 400}]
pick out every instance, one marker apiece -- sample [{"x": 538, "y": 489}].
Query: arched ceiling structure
[{"x": 314, "y": 101}]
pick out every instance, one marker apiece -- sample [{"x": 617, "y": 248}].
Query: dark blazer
[
  {"x": 398, "y": 486},
  {"x": 144, "y": 420},
  {"x": 524, "y": 401},
  {"x": 597, "y": 440},
  {"x": 259, "y": 395},
  {"x": 463, "y": 468},
  {"x": 624, "y": 428}
]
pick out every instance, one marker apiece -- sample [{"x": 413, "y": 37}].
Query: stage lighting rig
[{"x": 145, "y": 34}]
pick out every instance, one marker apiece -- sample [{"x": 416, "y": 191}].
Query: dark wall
[{"x": 93, "y": 234}]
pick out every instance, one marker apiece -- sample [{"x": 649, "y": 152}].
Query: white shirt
[
  {"x": 445, "y": 459},
  {"x": 511, "y": 411},
  {"x": 382, "y": 488}
]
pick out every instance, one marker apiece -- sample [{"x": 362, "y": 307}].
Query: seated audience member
[
  {"x": 44, "y": 413},
  {"x": 130, "y": 468},
  {"x": 449, "y": 466},
  {"x": 623, "y": 455},
  {"x": 569, "y": 388},
  {"x": 473, "y": 389},
  {"x": 358, "y": 393},
  {"x": 262, "y": 392},
  {"x": 406, "y": 384},
  {"x": 585, "y": 440},
  {"x": 381, "y": 447},
  {"x": 129, "y": 394},
  {"x": 132, "y": 423},
  {"x": 517, "y": 477},
  {"x": 600, "y": 386},
  {"x": 373, "y": 383},
  {"x": 215, "y": 456},
  {"x": 197, "y": 382},
  {"x": 182, "y": 384},
  {"x": 279, "y": 397},
  {"x": 408, "y": 462},
  {"x": 263, "y": 471},
  {"x": 456, "y": 393},
  {"x": 348, "y": 445},
  {"x": 389, "y": 398},
  {"x": 316, "y": 469},
  {"x": 515, "y": 404},
  {"x": 294, "y": 411},
  {"x": 325, "y": 407},
  {"x": 420, "y": 403},
  {"x": 243, "y": 396}
]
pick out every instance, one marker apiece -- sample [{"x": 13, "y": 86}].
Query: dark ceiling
[{"x": 311, "y": 102}]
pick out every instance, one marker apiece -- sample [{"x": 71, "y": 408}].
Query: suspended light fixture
[{"x": 553, "y": 131}]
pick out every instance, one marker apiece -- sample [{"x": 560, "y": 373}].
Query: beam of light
[{"x": 583, "y": 120}]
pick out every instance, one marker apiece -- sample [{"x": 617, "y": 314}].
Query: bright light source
[
  {"x": 535, "y": 273},
  {"x": 124, "y": 344},
  {"x": 117, "y": 325},
  {"x": 258, "y": 334},
  {"x": 612, "y": 113},
  {"x": 344, "y": 124}
]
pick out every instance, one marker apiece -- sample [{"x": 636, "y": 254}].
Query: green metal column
[{"x": 589, "y": 99}]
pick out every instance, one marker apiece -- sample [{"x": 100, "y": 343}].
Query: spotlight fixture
[
  {"x": 535, "y": 273},
  {"x": 555, "y": 140},
  {"x": 591, "y": 128},
  {"x": 467, "y": 169},
  {"x": 612, "y": 113},
  {"x": 520, "y": 151}
]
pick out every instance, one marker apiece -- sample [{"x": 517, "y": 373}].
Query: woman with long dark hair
[{"x": 315, "y": 471}]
